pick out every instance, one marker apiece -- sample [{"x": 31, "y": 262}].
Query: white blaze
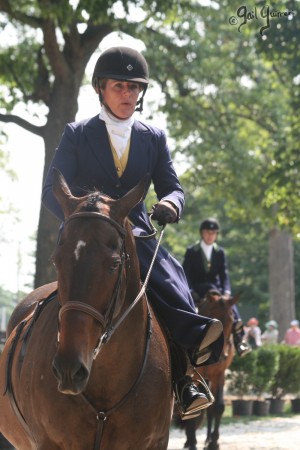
[{"x": 79, "y": 246}]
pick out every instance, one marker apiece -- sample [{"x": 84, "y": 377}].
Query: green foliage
[
  {"x": 8, "y": 301},
  {"x": 267, "y": 363},
  {"x": 230, "y": 114},
  {"x": 241, "y": 374},
  {"x": 270, "y": 369},
  {"x": 286, "y": 380}
]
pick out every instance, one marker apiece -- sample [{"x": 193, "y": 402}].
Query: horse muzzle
[{"x": 72, "y": 375}]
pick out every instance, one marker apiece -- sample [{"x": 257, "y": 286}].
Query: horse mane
[{"x": 92, "y": 199}]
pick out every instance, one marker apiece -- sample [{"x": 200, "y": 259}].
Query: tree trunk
[
  {"x": 63, "y": 110},
  {"x": 281, "y": 279}
]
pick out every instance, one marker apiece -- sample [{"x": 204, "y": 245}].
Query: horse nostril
[
  {"x": 81, "y": 375},
  {"x": 73, "y": 374}
]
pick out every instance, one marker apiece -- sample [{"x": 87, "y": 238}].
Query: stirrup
[
  {"x": 195, "y": 412},
  {"x": 243, "y": 348},
  {"x": 204, "y": 387}
]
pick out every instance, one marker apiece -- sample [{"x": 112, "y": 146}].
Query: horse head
[
  {"x": 220, "y": 308},
  {"x": 91, "y": 259}
]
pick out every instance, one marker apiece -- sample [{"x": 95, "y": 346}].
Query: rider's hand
[{"x": 164, "y": 212}]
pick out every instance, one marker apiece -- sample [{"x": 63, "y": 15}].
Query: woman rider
[{"x": 111, "y": 152}]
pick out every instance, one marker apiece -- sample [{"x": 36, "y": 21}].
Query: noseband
[{"x": 104, "y": 320}]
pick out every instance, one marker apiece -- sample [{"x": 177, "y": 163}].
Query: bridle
[{"x": 106, "y": 320}]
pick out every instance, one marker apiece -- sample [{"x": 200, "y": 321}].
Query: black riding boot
[
  {"x": 191, "y": 398},
  {"x": 241, "y": 346},
  {"x": 200, "y": 353}
]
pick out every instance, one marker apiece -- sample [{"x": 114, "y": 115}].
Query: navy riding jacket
[
  {"x": 203, "y": 275},
  {"x": 85, "y": 159}
]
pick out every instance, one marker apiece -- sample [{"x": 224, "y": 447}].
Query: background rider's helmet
[
  {"x": 210, "y": 224},
  {"x": 122, "y": 63}
]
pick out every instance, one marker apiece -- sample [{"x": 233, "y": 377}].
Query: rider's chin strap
[{"x": 139, "y": 104}]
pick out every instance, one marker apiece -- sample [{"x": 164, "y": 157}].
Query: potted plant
[
  {"x": 240, "y": 383},
  {"x": 267, "y": 361},
  {"x": 294, "y": 385},
  {"x": 280, "y": 385},
  {"x": 286, "y": 379}
]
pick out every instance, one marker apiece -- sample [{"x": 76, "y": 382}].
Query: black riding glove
[{"x": 164, "y": 212}]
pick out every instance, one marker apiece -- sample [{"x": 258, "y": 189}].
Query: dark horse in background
[
  {"x": 86, "y": 365},
  {"x": 215, "y": 373}
]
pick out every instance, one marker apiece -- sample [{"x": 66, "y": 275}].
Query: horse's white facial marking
[{"x": 79, "y": 246}]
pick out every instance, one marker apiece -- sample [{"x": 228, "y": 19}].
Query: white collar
[
  {"x": 207, "y": 249},
  {"x": 119, "y": 130}
]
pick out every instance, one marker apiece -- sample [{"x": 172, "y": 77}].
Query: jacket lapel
[
  {"x": 98, "y": 140},
  {"x": 138, "y": 158}
]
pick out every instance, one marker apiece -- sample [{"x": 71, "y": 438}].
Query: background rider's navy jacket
[{"x": 202, "y": 275}]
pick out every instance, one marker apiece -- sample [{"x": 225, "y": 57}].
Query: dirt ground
[
  {"x": 276, "y": 433},
  {"x": 279, "y": 433}
]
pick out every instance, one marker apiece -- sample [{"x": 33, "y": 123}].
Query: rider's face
[
  {"x": 121, "y": 97},
  {"x": 209, "y": 236}
]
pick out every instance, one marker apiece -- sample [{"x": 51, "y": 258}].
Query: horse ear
[
  {"x": 62, "y": 193},
  {"x": 233, "y": 300},
  {"x": 133, "y": 197}
]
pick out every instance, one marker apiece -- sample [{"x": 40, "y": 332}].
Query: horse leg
[
  {"x": 216, "y": 416},
  {"x": 209, "y": 415},
  {"x": 190, "y": 427}
]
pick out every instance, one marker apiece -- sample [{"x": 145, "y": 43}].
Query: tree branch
[
  {"x": 5, "y": 7},
  {"x": 11, "y": 118}
]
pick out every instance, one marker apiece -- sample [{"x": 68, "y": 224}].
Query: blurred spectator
[
  {"x": 292, "y": 335},
  {"x": 270, "y": 335},
  {"x": 253, "y": 333}
]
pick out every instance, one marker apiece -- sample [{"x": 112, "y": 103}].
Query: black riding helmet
[
  {"x": 122, "y": 63},
  {"x": 210, "y": 224}
]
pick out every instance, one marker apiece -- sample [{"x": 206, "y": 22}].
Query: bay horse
[
  {"x": 218, "y": 308},
  {"x": 87, "y": 365}
]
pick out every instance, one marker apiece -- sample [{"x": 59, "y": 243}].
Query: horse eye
[
  {"x": 115, "y": 264},
  {"x": 60, "y": 242}
]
